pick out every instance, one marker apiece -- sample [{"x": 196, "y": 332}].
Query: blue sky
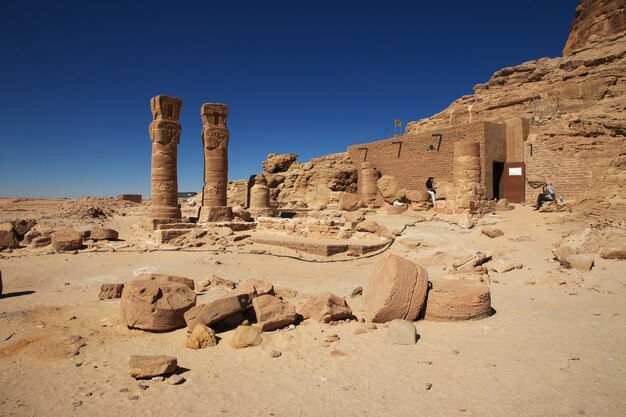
[{"x": 310, "y": 77}]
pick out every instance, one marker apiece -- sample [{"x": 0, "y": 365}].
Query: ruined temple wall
[{"x": 415, "y": 163}]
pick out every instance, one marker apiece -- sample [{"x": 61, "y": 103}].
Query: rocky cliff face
[
  {"x": 309, "y": 184},
  {"x": 576, "y": 105},
  {"x": 595, "y": 20}
]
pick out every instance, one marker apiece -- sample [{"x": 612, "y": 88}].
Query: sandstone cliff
[{"x": 577, "y": 108}]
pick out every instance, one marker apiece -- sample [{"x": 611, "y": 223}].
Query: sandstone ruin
[
  {"x": 320, "y": 277},
  {"x": 215, "y": 138},
  {"x": 165, "y": 132}
]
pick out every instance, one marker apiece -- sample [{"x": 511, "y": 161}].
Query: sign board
[
  {"x": 515, "y": 172},
  {"x": 399, "y": 123}
]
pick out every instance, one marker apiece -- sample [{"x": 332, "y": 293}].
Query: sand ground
[{"x": 545, "y": 352}]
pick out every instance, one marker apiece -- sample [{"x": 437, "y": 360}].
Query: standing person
[
  {"x": 547, "y": 194},
  {"x": 430, "y": 189}
]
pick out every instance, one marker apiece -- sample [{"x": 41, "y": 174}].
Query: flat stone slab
[{"x": 323, "y": 247}]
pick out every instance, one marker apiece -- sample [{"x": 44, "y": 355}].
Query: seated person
[{"x": 546, "y": 195}]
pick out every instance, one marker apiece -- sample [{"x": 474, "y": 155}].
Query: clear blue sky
[{"x": 310, "y": 77}]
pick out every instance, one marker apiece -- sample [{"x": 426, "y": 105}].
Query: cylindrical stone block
[{"x": 368, "y": 180}]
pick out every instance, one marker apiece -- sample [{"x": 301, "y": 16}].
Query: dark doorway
[{"x": 498, "y": 170}]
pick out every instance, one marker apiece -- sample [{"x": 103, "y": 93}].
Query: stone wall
[{"x": 412, "y": 163}]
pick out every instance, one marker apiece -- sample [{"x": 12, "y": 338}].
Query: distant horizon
[{"x": 310, "y": 80}]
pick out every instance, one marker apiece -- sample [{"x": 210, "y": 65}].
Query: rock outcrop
[
  {"x": 575, "y": 107},
  {"x": 594, "y": 21}
]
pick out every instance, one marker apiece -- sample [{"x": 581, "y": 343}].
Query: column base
[
  {"x": 162, "y": 214},
  {"x": 215, "y": 214},
  {"x": 262, "y": 212}
]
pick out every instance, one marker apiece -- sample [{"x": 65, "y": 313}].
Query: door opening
[{"x": 498, "y": 170}]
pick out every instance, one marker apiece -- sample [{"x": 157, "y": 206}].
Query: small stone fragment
[
  {"x": 147, "y": 366},
  {"x": 201, "y": 337},
  {"x": 175, "y": 380},
  {"x": 275, "y": 353},
  {"x": 326, "y": 307},
  {"x": 492, "y": 232},
  {"x": 401, "y": 332},
  {"x": 360, "y": 330},
  {"x": 337, "y": 352},
  {"x": 77, "y": 403},
  {"x": 428, "y": 386},
  {"x": 357, "y": 291},
  {"x": 245, "y": 336}
]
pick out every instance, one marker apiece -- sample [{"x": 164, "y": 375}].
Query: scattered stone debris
[
  {"x": 326, "y": 307},
  {"x": 148, "y": 366},
  {"x": 175, "y": 379}
]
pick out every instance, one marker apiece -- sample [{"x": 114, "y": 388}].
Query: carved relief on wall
[{"x": 165, "y": 132}]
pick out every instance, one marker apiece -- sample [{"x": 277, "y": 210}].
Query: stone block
[
  {"x": 67, "y": 239},
  {"x": 452, "y": 300},
  {"x": 401, "y": 332},
  {"x": 272, "y": 312},
  {"x": 326, "y": 307},
  {"x": 148, "y": 366},
  {"x": 396, "y": 290}
]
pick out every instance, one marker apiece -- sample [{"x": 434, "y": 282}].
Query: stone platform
[{"x": 323, "y": 247}]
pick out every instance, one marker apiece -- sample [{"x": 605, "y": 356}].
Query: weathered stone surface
[
  {"x": 260, "y": 198},
  {"x": 272, "y": 312},
  {"x": 241, "y": 213},
  {"x": 201, "y": 337},
  {"x": 103, "y": 233},
  {"x": 110, "y": 291},
  {"x": 472, "y": 261},
  {"x": 165, "y": 133},
  {"x": 556, "y": 279},
  {"x": 23, "y": 226},
  {"x": 613, "y": 253},
  {"x": 492, "y": 232},
  {"x": 217, "y": 310},
  {"x": 349, "y": 202},
  {"x": 402, "y": 332},
  {"x": 67, "y": 239},
  {"x": 245, "y": 336},
  {"x": 215, "y": 138},
  {"x": 0, "y": 282},
  {"x": 595, "y": 21},
  {"x": 391, "y": 210},
  {"x": 326, "y": 307},
  {"x": 450, "y": 300},
  {"x": 40, "y": 241},
  {"x": 580, "y": 262},
  {"x": 388, "y": 188},
  {"x": 253, "y": 288},
  {"x": 156, "y": 305},
  {"x": 370, "y": 226},
  {"x": 396, "y": 290},
  {"x": 166, "y": 278},
  {"x": 504, "y": 265},
  {"x": 279, "y": 163},
  {"x": 8, "y": 237},
  {"x": 147, "y": 366}
]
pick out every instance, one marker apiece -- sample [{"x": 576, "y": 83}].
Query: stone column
[
  {"x": 467, "y": 195},
  {"x": 165, "y": 135},
  {"x": 215, "y": 140},
  {"x": 260, "y": 198},
  {"x": 368, "y": 184}
]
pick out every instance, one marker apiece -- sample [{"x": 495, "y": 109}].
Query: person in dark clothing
[
  {"x": 546, "y": 195},
  {"x": 430, "y": 189}
]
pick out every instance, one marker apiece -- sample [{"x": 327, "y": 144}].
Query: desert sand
[{"x": 549, "y": 349}]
